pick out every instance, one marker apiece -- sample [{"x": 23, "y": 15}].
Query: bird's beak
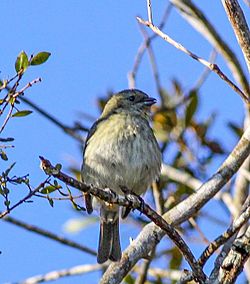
[{"x": 149, "y": 101}]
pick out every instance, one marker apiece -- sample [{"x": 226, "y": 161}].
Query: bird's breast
[{"x": 122, "y": 152}]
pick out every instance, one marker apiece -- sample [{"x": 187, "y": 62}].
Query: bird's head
[{"x": 133, "y": 101}]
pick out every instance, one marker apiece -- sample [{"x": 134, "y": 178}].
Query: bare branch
[
  {"x": 143, "y": 46},
  {"x": 28, "y": 196},
  {"x": 27, "y": 86},
  {"x": 234, "y": 262},
  {"x": 57, "y": 274},
  {"x": 240, "y": 27},
  {"x": 233, "y": 229},
  {"x": 211, "y": 66},
  {"x": 151, "y": 235},
  {"x": 179, "y": 176},
  {"x": 150, "y": 16},
  {"x": 242, "y": 183},
  {"x": 47, "y": 234},
  {"x": 68, "y": 130},
  {"x": 152, "y": 60},
  {"x": 200, "y": 22}
]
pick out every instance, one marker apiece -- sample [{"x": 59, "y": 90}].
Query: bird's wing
[{"x": 88, "y": 197}]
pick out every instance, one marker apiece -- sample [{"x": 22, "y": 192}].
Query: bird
[{"x": 120, "y": 151}]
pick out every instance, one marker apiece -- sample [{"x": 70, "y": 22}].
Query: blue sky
[{"x": 93, "y": 46}]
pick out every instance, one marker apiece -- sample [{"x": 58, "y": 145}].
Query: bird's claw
[{"x": 135, "y": 200}]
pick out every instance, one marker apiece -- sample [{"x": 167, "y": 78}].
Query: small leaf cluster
[
  {"x": 11, "y": 94},
  {"x": 6, "y": 181},
  {"x": 23, "y": 62}
]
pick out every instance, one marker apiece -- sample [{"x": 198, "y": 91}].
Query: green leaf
[
  {"x": 192, "y": 107},
  {"x": 22, "y": 113},
  {"x": 6, "y": 173},
  {"x": 7, "y": 203},
  {"x": 40, "y": 58},
  {"x": 22, "y": 62},
  {"x": 51, "y": 202},
  {"x": 58, "y": 167},
  {"x": 49, "y": 189},
  {"x": 3, "y": 156}
]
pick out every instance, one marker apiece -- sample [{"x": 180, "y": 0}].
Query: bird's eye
[{"x": 131, "y": 98}]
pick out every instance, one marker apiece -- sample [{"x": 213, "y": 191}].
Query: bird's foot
[{"x": 135, "y": 200}]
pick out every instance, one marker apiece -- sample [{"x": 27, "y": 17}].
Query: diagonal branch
[
  {"x": 151, "y": 235},
  {"x": 200, "y": 22},
  {"x": 213, "y": 67},
  {"x": 240, "y": 27},
  {"x": 233, "y": 229},
  {"x": 47, "y": 234},
  {"x": 234, "y": 262},
  {"x": 57, "y": 274},
  {"x": 24, "y": 199},
  {"x": 135, "y": 202}
]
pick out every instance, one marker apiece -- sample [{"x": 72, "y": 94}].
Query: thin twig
[
  {"x": 47, "y": 234},
  {"x": 234, "y": 228},
  {"x": 213, "y": 67},
  {"x": 141, "y": 50},
  {"x": 150, "y": 15},
  {"x": 59, "y": 198},
  {"x": 28, "y": 196},
  {"x": 51, "y": 118},
  {"x": 205, "y": 72},
  {"x": 197, "y": 228},
  {"x": 195, "y": 16},
  {"x": 7, "y": 118},
  {"x": 27, "y": 86},
  {"x": 57, "y": 274},
  {"x": 152, "y": 60}
]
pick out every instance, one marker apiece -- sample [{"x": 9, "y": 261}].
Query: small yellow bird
[{"x": 120, "y": 152}]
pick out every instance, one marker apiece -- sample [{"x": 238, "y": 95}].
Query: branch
[
  {"x": 240, "y": 27},
  {"x": 135, "y": 202},
  {"x": 242, "y": 33},
  {"x": 143, "y": 46},
  {"x": 234, "y": 262},
  {"x": 68, "y": 130},
  {"x": 151, "y": 235},
  {"x": 28, "y": 196},
  {"x": 241, "y": 185},
  {"x": 213, "y": 67},
  {"x": 232, "y": 230},
  {"x": 47, "y": 234},
  {"x": 13, "y": 97},
  {"x": 199, "y": 21},
  {"x": 179, "y": 176},
  {"x": 55, "y": 275},
  {"x": 168, "y": 172},
  {"x": 150, "y": 16},
  {"x": 152, "y": 60}
]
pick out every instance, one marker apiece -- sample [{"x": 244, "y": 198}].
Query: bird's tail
[{"x": 109, "y": 239}]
